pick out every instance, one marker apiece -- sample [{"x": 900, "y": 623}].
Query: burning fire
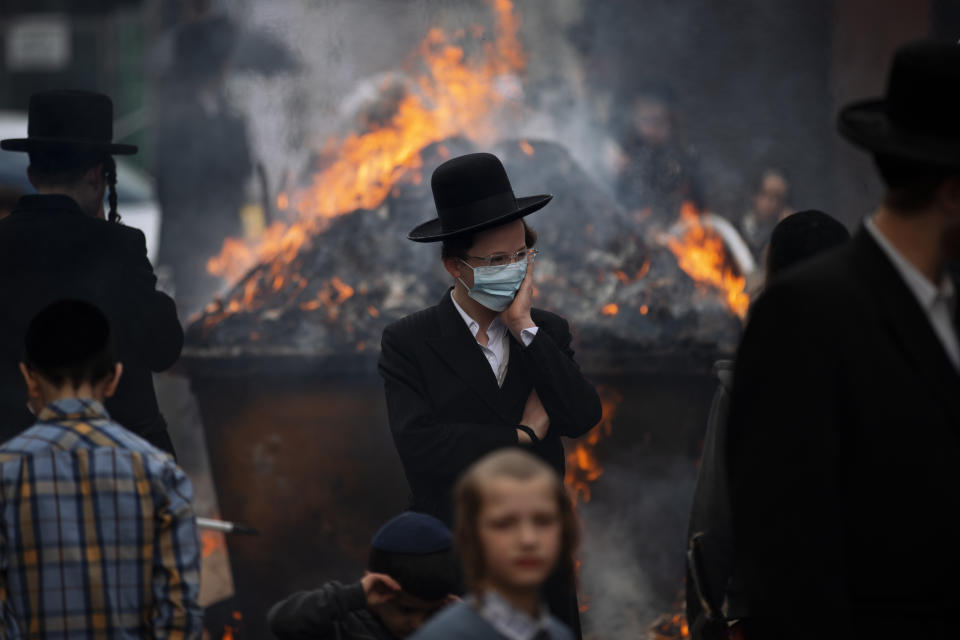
[
  {"x": 583, "y": 467},
  {"x": 701, "y": 253},
  {"x": 455, "y": 96}
]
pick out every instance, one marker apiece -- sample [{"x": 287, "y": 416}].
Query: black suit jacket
[
  {"x": 50, "y": 250},
  {"x": 844, "y": 457},
  {"x": 446, "y": 410}
]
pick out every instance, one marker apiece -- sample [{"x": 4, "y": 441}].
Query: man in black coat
[
  {"x": 844, "y": 429},
  {"x": 56, "y": 244},
  {"x": 482, "y": 369}
]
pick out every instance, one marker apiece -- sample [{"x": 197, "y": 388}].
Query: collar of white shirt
[
  {"x": 510, "y": 622},
  {"x": 496, "y": 329},
  {"x": 926, "y": 293}
]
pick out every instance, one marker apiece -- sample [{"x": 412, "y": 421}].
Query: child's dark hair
[
  {"x": 65, "y": 166},
  {"x": 801, "y": 236},
  {"x": 70, "y": 341},
  {"x": 429, "y": 576},
  {"x": 459, "y": 246},
  {"x": 517, "y": 465}
]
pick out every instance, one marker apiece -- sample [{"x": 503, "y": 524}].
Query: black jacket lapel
[
  {"x": 460, "y": 351},
  {"x": 908, "y": 322}
]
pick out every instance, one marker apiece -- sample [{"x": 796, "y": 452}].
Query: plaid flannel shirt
[{"x": 97, "y": 533}]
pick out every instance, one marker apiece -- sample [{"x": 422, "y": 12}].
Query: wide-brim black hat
[
  {"x": 80, "y": 120},
  {"x": 917, "y": 119},
  {"x": 472, "y": 193}
]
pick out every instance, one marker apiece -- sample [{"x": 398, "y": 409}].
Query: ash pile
[{"x": 626, "y": 297}]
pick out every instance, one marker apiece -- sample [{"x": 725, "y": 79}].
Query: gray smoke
[{"x": 632, "y": 552}]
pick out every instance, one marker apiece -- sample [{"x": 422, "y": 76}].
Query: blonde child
[{"x": 514, "y": 527}]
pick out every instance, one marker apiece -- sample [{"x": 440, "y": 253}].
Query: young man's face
[
  {"x": 504, "y": 240},
  {"x": 520, "y": 532},
  {"x": 651, "y": 120},
  {"x": 769, "y": 201},
  {"x": 406, "y": 613}
]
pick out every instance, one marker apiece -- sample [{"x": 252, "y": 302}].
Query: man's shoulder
[
  {"x": 413, "y": 324},
  {"x": 70, "y": 225},
  {"x": 832, "y": 276},
  {"x": 100, "y": 434}
]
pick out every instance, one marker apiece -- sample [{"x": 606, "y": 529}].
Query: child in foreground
[
  {"x": 514, "y": 525},
  {"x": 413, "y": 572},
  {"x": 97, "y": 532}
]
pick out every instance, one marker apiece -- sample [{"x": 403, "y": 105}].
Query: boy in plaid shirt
[{"x": 97, "y": 533}]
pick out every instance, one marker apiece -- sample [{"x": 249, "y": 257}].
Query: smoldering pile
[{"x": 625, "y": 296}]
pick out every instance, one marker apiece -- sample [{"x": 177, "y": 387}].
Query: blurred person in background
[
  {"x": 844, "y": 425},
  {"x": 658, "y": 171},
  {"x": 203, "y": 159},
  {"x": 769, "y": 204},
  {"x": 794, "y": 240},
  {"x": 97, "y": 535},
  {"x": 60, "y": 243}
]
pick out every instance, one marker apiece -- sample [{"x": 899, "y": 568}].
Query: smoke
[{"x": 632, "y": 551}]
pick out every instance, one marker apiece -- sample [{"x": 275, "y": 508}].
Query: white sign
[{"x": 39, "y": 42}]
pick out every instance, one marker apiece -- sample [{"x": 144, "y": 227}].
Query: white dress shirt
[
  {"x": 497, "y": 349},
  {"x": 938, "y": 303}
]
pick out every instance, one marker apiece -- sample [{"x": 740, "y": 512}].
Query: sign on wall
[{"x": 38, "y": 42}]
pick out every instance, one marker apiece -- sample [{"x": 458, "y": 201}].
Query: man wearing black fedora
[
  {"x": 482, "y": 369},
  {"x": 58, "y": 243},
  {"x": 844, "y": 428}
]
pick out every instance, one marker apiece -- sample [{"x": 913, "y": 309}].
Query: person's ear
[
  {"x": 94, "y": 177},
  {"x": 453, "y": 266},
  {"x": 111, "y": 387},
  {"x": 33, "y": 383},
  {"x": 949, "y": 196}
]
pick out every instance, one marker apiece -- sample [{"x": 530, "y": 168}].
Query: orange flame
[
  {"x": 610, "y": 309},
  {"x": 702, "y": 255},
  {"x": 526, "y": 147},
  {"x": 456, "y": 96},
  {"x": 583, "y": 467},
  {"x": 211, "y": 542}
]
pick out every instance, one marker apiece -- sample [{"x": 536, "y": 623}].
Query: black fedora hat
[
  {"x": 66, "y": 118},
  {"x": 473, "y": 193},
  {"x": 919, "y": 117}
]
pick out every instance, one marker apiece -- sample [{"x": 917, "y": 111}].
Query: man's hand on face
[
  {"x": 535, "y": 417},
  {"x": 517, "y": 315},
  {"x": 379, "y": 588}
]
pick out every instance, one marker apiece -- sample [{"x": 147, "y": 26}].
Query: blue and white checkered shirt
[{"x": 97, "y": 533}]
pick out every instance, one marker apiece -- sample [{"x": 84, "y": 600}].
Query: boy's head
[
  {"x": 416, "y": 550},
  {"x": 69, "y": 352},
  {"x": 801, "y": 236}
]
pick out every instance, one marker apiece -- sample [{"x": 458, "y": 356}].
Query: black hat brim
[
  {"x": 431, "y": 231},
  {"x": 39, "y": 144},
  {"x": 867, "y": 125}
]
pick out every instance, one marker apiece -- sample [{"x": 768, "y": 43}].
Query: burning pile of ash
[{"x": 625, "y": 294}]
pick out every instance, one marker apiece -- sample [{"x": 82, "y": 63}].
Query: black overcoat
[
  {"x": 49, "y": 249},
  {"x": 844, "y": 457},
  {"x": 446, "y": 410}
]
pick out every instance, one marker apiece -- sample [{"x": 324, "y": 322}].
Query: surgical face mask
[{"x": 496, "y": 287}]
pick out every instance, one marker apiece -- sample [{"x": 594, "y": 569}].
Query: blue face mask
[{"x": 496, "y": 287}]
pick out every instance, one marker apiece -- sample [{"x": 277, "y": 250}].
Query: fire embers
[{"x": 336, "y": 290}]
